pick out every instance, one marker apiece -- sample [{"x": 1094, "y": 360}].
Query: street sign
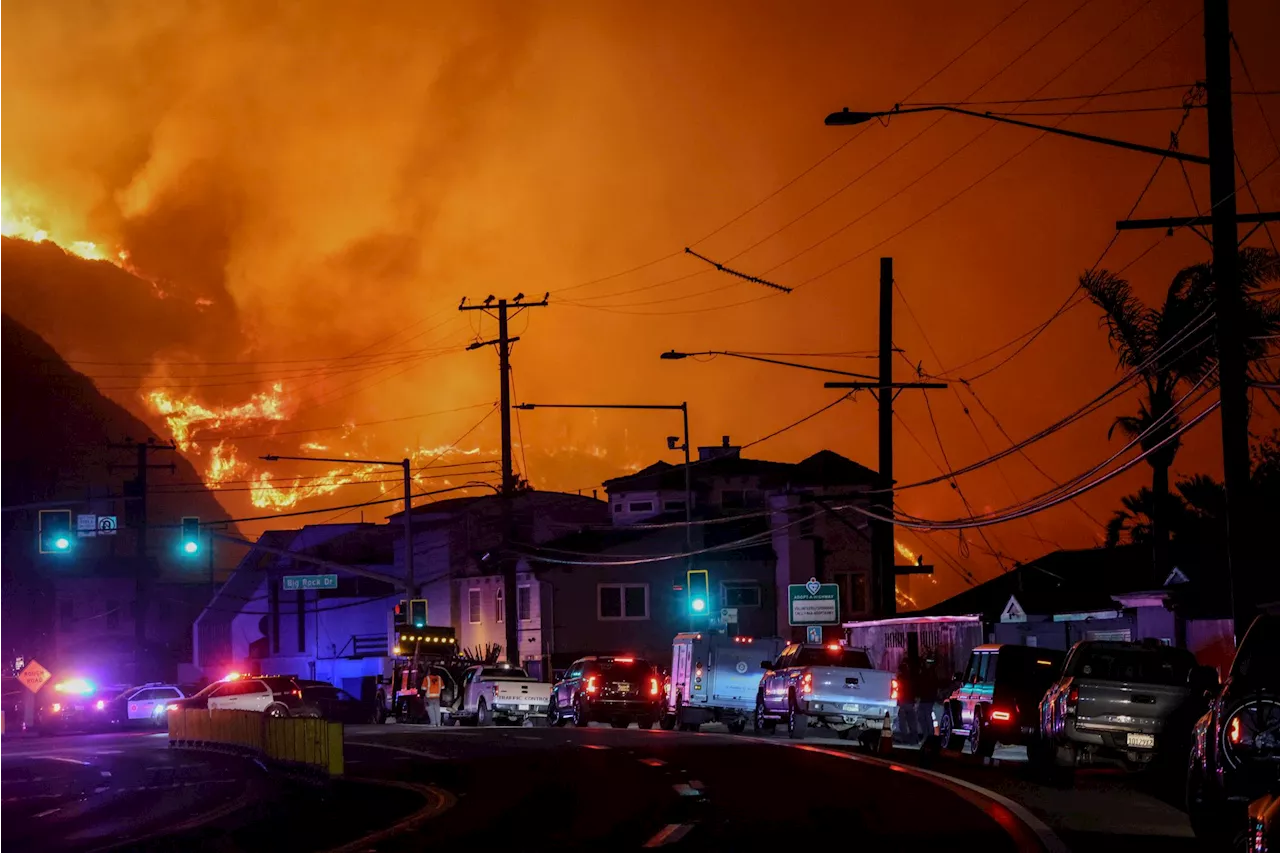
[
  {"x": 813, "y": 634},
  {"x": 813, "y": 603},
  {"x": 107, "y": 525},
  {"x": 311, "y": 582},
  {"x": 729, "y": 614},
  {"x": 34, "y": 676},
  {"x": 86, "y": 526}
]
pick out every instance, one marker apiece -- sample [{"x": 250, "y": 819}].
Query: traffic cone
[{"x": 886, "y": 735}]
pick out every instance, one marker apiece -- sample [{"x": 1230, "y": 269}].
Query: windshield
[
  {"x": 502, "y": 672},
  {"x": 627, "y": 665},
  {"x": 315, "y": 693},
  {"x": 1165, "y": 666},
  {"x": 839, "y": 656}
]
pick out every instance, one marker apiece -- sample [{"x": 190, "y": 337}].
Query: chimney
[
  {"x": 723, "y": 450},
  {"x": 595, "y": 494}
]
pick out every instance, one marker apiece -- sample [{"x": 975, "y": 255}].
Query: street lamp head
[
  {"x": 271, "y": 457},
  {"x": 845, "y": 118},
  {"x": 672, "y": 355},
  {"x": 527, "y": 406}
]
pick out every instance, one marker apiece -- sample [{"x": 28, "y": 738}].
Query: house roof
[
  {"x": 464, "y": 504},
  {"x": 824, "y": 468}
]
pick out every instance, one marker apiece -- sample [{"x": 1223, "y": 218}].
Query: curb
[{"x": 1028, "y": 832}]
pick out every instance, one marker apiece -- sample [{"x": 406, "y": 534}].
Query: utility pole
[
  {"x": 503, "y": 311},
  {"x": 137, "y": 489},
  {"x": 883, "y": 569}
]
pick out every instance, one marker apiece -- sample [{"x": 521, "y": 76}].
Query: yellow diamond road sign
[{"x": 33, "y": 676}]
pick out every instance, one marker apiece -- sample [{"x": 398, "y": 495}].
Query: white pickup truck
[
  {"x": 828, "y": 684},
  {"x": 492, "y": 694}
]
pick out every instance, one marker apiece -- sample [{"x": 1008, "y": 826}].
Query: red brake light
[
  {"x": 624, "y": 660},
  {"x": 1073, "y": 696},
  {"x": 592, "y": 687},
  {"x": 833, "y": 647},
  {"x": 1000, "y": 716},
  {"x": 653, "y": 687},
  {"x": 893, "y": 689}
]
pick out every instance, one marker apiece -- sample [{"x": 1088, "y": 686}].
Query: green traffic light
[
  {"x": 698, "y": 605},
  {"x": 62, "y": 543},
  {"x": 191, "y": 547}
]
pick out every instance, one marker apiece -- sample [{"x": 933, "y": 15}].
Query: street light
[
  {"x": 673, "y": 355},
  {"x": 847, "y": 118},
  {"x": 683, "y": 408},
  {"x": 408, "y": 503}
]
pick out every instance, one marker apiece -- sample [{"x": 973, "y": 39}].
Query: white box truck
[{"x": 715, "y": 679}]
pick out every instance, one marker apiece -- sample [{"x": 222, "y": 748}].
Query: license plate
[
  {"x": 1144, "y": 741},
  {"x": 623, "y": 686},
  {"x": 523, "y": 707},
  {"x": 853, "y": 709}
]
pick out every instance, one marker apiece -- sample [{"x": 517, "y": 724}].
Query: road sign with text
[
  {"x": 310, "y": 582},
  {"x": 813, "y": 603},
  {"x": 34, "y": 676}
]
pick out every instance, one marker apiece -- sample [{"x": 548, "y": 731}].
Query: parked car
[
  {"x": 829, "y": 684},
  {"x": 492, "y": 694},
  {"x": 323, "y": 701},
  {"x": 714, "y": 680},
  {"x": 620, "y": 690},
  {"x": 145, "y": 704},
  {"x": 998, "y": 697},
  {"x": 1122, "y": 701},
  {"x": 1235, "y": 747},
  {"x": 74, "y": 704},
  {"x": 276, "y": 695}
]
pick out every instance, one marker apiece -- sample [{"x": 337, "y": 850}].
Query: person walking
[
  {"x": 432, "y": 686},
  {"x": 926, "y": 692},
  {"x": 908, "y": 674}
]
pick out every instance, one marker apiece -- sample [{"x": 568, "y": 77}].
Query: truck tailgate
[
  {"x": 733, "y": 677},
  {"x": 862, "y": 687},
  {"x": 1125, "y": 706},
  {"x": 531, "y": 693}
]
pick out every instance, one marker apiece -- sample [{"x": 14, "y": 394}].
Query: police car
[{"x": 145, "y": 704}]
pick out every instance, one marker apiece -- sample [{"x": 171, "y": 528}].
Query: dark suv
[
  {"x": 998, "y": 697},
  {"x": 1235, "y": 748},
  {"x": 621, "y": 690}
]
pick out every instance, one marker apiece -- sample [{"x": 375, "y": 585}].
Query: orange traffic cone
[{"x": 886, "y": 735}]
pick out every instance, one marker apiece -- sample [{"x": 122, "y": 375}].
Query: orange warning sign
[{"x": 33, "y": 676}]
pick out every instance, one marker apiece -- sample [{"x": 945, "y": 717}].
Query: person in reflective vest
[{"x": 432, "y": 686}]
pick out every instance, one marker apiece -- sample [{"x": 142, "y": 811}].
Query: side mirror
[{"x": 766, "y": 664}]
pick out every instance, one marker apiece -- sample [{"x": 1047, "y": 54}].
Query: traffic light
[
  {"x": 699, "y": 592},
  {"x": 418, "y": 613},
  {"x": 190, "y": 541},
  {"x": 56, "y": 536}
]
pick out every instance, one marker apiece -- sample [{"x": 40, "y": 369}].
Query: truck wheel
[
  {"x": 982, "y": 741},
  {"x": 947, "y": 731},
  {"x": 579, "y": 713},
  {"x": 554, "y": 717},
  {"x": 668, "y": 722},
  {"x": 645, "y": 722},
  {"x": 738, "y": 726},
  {"x": 760, "y": 724},
  {"x": 797, "y": 723},
  {"x": 483, "y": 716}
]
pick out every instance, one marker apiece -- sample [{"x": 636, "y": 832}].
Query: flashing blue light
[
  {"x": 74, "y": 685},
  {"x": 62, "y": 543},
  {"x": 698, "y": 605}
]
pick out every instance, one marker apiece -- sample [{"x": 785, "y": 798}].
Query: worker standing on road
[
  {"x": 432, "y": 685},
  {"x": 926, "y": 692},
  {"x": 908, "y": 676}
]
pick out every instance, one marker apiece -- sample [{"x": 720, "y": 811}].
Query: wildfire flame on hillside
[
  {"x": 185, "y": 416},
  {"x": 24, "y": 226}
]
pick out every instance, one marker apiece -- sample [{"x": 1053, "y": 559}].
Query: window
[
  {"x": 473, "y": 606},
  {"x": 618, "y": 507},
  {"x": 673, "y": 506},
  {"x": 641, "y": 506},
  {"x": 499, "y": 606},
  {"x": 622, "y": 601},
  {"x": 524, "y": 603},
  {"x": 853, "y": 592},
  {"x": 67, "y": 615},
  {"x": 740, "y": 594},
  {"x": 113, "y": 614}
]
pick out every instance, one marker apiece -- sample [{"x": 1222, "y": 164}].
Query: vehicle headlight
[{"x": 1252, "y": 732}]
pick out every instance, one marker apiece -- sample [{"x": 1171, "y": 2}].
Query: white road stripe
[
  {"x": 686, "y": 790},
  {"x": 48, "y": 812},
  {"x": 106, "y": 774},
  {"x": 65, "y": 760},
  {"x": 669, "y": 834},
  {"x": 653, "y": 762},
  {"x": 594, "y": 746}
]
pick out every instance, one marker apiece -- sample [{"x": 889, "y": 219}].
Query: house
[{"x": 1068, "y": 596}]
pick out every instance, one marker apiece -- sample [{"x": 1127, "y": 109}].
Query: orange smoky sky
[{"x": 322, "y": 182}]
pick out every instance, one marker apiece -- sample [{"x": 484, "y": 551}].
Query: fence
[{"x": 292, "y": 742}]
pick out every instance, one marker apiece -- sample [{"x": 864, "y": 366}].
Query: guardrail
[{"x": 292, "y": 742}]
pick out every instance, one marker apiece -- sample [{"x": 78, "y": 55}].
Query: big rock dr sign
[{"x": 813, "y": 603}]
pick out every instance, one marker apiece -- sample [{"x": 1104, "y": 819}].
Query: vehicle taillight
[
  {"x": 592, "y": 687},
  {"x": 1233, "y": 733},
  {"x": 653, "y": 687},
  {"x": 1001, "y": 716},
  {"x": 1073, "y": 697},
  {"x": 806, "y": 683},
  {"x": 57, "y": 706},
  {"x": 893, "y": 689}
]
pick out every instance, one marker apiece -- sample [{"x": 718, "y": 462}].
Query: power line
[{"x": 1051, "y": 98}]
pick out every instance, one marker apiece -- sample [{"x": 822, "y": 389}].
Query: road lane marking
[
  {"x": 106, "y": 774},
  {"x": 594, "y": 746},
  {"x": 108, "y": 752},
  {"x": 438, "y": 802},
  {"x": 686, "y": 790},
  {"x": 695, "y": 784},
  {"x": 416, "y": 753},
  {"x": 669, "y": 834},
  {"x": 1027, "y": 831},
  {"x": 653, "y": 762},
  {"x": 65, "y": 760},
  {"x": 48, "y": 812}
]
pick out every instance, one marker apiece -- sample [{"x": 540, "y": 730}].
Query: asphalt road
[
  {"x": 84, "y": 792},
  {"x": 625, "y": 789}
]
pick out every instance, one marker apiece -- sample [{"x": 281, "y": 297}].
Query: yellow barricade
[{"x": 291, "y": 741}]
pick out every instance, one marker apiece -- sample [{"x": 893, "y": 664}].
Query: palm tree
[{"x": 1153, "y": 341}]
